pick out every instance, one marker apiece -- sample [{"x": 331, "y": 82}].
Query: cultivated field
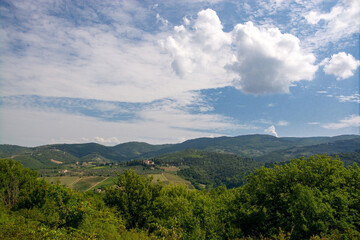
[
  {"x": 170, "y": 178},
  {"x": 86, "y": 183}
]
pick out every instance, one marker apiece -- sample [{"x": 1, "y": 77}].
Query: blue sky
[{"x": 168, "y": 71}]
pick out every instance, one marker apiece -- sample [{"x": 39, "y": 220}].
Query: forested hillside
[
  {"x": 313, "y": 198},
  {"x": 253, "y": 146},
  {"x": 335, "y": 148},
  {"x": 209, "y": 169},
  {"x": 121, "y": 152}
]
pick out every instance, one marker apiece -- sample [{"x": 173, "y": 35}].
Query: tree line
[{"x": 313, "y": 198}]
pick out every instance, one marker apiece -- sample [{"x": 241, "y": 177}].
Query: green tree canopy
[
  {"x": 17, "y": 184},
  {"x": 306, "y": 197},
  {"x": 133, "y": 196}
]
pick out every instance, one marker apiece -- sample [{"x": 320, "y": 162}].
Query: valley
[{"x": 202, "y": 163}]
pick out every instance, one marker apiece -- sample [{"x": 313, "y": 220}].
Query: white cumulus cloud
[
  {"x": 200, "y": 47},
  {"x": 341, "y": 65},
  {"x": 271, "y": 130},
  {"x": 258, "y": 60},
  {"x": 268, "y": 61},
  {"x": 352, "y": 121}
]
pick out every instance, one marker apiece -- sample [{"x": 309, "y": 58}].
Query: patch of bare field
[{"x": 55, "y": 161}]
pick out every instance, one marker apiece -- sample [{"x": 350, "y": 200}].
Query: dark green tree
[
  {"x": 18, "y": 185},
  {"x": 63, "y": 207},
  {"x": 133, "y": 196}
]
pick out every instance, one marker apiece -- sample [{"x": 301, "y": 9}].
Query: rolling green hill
[
  {"x": 253, "y": 146},
  {"x": 121, "y": 152},
  {"x": 262, "y": 148},
  {"x": 42, "y": 157},
  {"x": 8, "y": 151}
]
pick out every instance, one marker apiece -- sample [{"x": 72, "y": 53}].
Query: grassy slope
[{"x": 170, "y": 178}]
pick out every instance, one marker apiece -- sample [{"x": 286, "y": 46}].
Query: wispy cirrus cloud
[
  {"x": 351, "y": 121},
  {"x": 151, "y": 125},
  {"x": 355, "y": 98},
  {"x": 73, "y": 50},
  {"x": 283, "y": 123},
  {"x": 341, "y": 22},
  {"x": 105, "y": 110},
  {"x": 107, "y": 122}
]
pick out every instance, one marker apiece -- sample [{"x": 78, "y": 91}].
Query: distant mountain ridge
[
  {"x": 251, "y": 145},
  {"x": 262, "y": 148},
  {"x": 331, "y": 148},
  {"x": 120, "y": 152}
]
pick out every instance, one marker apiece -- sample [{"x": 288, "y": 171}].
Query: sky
[{"x": 167, "y": 71}]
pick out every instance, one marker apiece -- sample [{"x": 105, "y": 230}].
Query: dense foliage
[
  {"x": 313, "y": 198},
  {"x": 33, "y": 209},
  {"x": 305, "y": 197}
]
